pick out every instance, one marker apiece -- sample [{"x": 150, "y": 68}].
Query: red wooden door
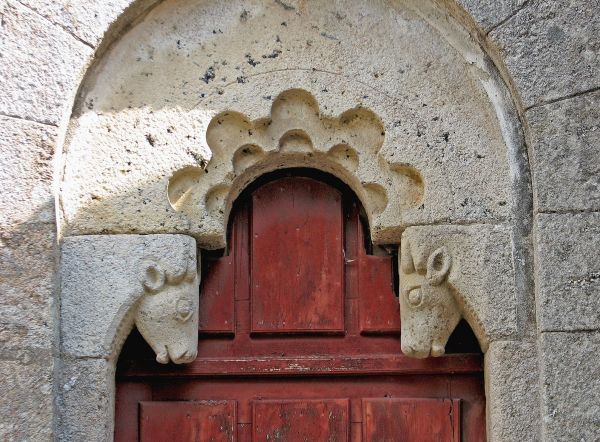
[{"x": 299, "y": 341}]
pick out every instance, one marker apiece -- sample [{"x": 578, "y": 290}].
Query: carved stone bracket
[
  {"x": 111, "y": 282},
  {"x": 296, "y": 134},
  {"x": 453, "y": 272}
]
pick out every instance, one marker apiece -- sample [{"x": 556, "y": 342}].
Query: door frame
[{"x": 93, "y": 378}]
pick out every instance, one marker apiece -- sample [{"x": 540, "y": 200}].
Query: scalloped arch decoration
[{"x": 296, "y": 134}]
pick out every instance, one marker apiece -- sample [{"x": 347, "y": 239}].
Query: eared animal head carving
[
  {"x": 167, "y": 313},
  {"x": 428, "y": 309}
]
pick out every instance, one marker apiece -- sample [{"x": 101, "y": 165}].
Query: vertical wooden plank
[
  {"x": 411, "y": 420},
  {"x": 297, "y": 257},
  {"x": 128, "y": 396},
  {"x": 244, "y": 432},
  {"x": 240, "y": 244},
  {"x": 210, "y": 421},
  {"x": 301, "y": 420},
  {"x": 352, "y": 244},
  {"x": 473, "y": 420},
  {"x": 240, "y": 248},
  {"x": 356, "y": 420},
  {"x": 379, "y": 306},
  {"x": 356, "y": 432},
  {"x": 216, "y": 308}
]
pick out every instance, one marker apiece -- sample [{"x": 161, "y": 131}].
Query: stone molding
[
  {"x": 109, "y": 283},
  {"x": 448, "y": 136},
  {"x": 408, "y": 164}
]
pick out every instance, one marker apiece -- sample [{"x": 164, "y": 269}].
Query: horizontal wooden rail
[{"x": 354, "y": 365}]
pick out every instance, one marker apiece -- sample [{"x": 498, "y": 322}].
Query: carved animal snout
[
  {"x": 433, "y": 349},
  {"x": 167, "y": 355}
]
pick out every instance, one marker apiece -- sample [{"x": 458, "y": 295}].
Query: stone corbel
[
  {"x": 453, "y": 272},
  {"x": 109, "y": 283}
]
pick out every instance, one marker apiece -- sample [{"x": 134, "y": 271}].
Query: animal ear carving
[
  {"x": 154, "y": 278},
  {"x": 438, "y": 266}
]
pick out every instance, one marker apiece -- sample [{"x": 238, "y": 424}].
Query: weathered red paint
[
  {"x": 379, "y": 313},
  {"x": 216, "y": 293},
  {"x": 292, "y": 349},
  {"x": 423, "y": 420},
  {"x": 197, "y": 421},
  {"x": 297, "y": 261},
  {"x": 300, "y": 420}
]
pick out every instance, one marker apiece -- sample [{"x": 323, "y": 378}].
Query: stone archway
[{"x": 197, "y": 100}]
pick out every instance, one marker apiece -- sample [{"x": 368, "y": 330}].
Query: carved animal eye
[
  {"x": 415, "y": 297},
  {"x": 185, "y": 310}
]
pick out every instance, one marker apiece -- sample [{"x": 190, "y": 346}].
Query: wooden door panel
[
  {"x": 127, "y": 399},
  {"x": 411, "y": 420},
  {"x": 297, "y": 257},
  {"x": 206, "y": 421},
  {"x": 301, "y": 420}
]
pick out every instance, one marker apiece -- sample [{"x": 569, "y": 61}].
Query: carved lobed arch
[
  {"x": 478, "y": 286},
  {"x": 297, "y": 134}
]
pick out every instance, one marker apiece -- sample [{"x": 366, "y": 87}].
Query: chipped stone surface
[
  {"x": 27, "y": 401},
  {"x": 513, "y": 401},
  {"x": 551, "y": 48},
  {"x": 568, "y": 271},
  {"x": 570, "y": 379},
  {"x": 26, "y": 153},
  {"x": 154, "y": 95},
  {"x": 566, "y": 153},
  {"x": 453, "y": 272},
  {"x": 110, "y": 282},
  {"x": 33, "y": 87},
  {"x": 489, "y": 13}
]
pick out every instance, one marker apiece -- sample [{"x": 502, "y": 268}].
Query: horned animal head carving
[
  {"x": 167, "y": 313},
  {"x": 429, "y": 311}
]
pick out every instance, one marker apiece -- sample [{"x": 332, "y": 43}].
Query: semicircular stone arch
[
  {"x": 143, "y": 114},
  {"x": 198, "y": 99}
]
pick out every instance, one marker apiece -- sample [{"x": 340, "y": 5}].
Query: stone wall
[{"x": 547, "y": 54}]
